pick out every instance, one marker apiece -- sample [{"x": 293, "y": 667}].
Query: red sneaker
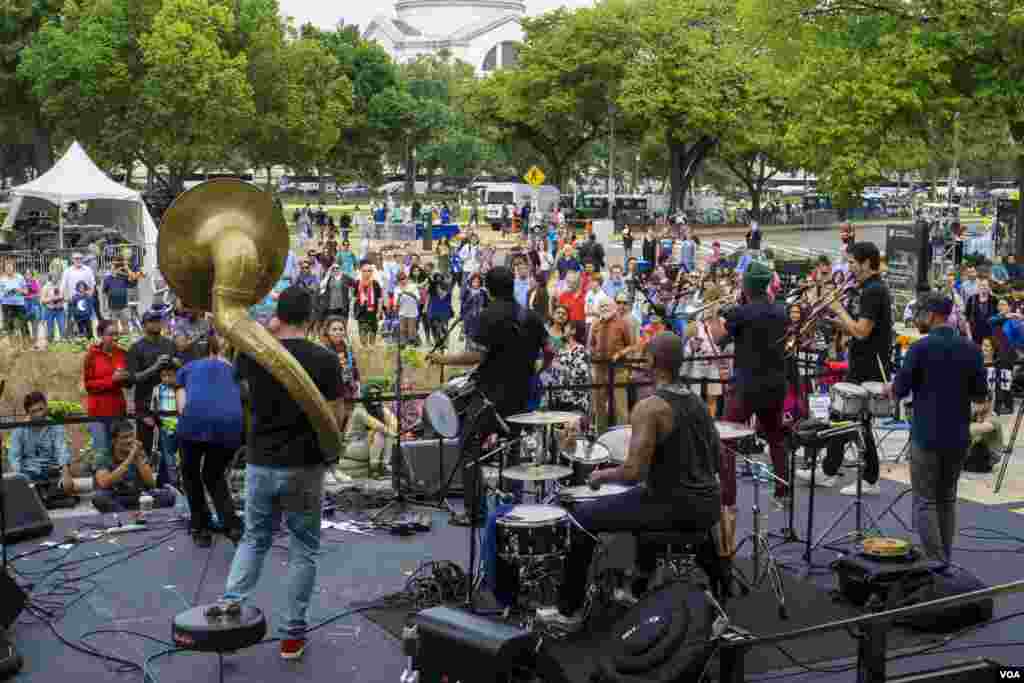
[{"x": 292, "y": 648}]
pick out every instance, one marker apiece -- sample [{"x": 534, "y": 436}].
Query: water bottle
[
  {"x": 181, "y": 509},
  {"x": 145, "y": 503}
]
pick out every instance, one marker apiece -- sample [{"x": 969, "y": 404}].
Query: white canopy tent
[{"x": 75, "y": 178}]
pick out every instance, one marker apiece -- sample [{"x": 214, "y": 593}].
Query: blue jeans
[
  {"x": 296, "y": 493},
  {"x": 167, "y": 470},
  {"x": 101, "y": 439},
  {"x": 54, "y": 317}
]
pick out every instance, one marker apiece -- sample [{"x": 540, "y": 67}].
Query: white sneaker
[
  {"x": 624, "y": 597},
  {"x": 820, "y": 478},
  {"x": 866, "y": 489},
  {"x": 551, "y": 616}
]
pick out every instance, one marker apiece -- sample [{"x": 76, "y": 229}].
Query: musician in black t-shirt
[
  {"x": 513, "y": 338},
  {"x": 869, "y": 325},
  {"x": 758, "y": 385},
  {"x": 285, "y": 468}
]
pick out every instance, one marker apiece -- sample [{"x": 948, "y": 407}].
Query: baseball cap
[
  {"x": 942, "y": 305},
  {"x": 152, "y": 315}
]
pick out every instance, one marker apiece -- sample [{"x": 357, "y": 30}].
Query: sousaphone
[{"x": 222, "y": 247}]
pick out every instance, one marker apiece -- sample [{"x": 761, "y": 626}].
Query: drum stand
[
  {"x": 762, "y": 549},
  {"x": 858, "y": 506}
]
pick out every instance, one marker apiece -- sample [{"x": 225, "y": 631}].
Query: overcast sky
[{"x": 327, "y": 14}]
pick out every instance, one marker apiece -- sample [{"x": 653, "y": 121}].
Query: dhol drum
[
  {"x": 445, "y": 409},
  {"x": 574, "y": 495},
  {"x": 533, "y": 533},
  {"x": 879, "y": 404},
  {"x": 848, "y": 400},
  {"x": 617, "y": 442}
]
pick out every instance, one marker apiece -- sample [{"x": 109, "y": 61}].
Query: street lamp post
[{"x": 611, "y": 164}]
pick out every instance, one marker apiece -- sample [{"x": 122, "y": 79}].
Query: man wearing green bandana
[{"x": 758, "y": 384}]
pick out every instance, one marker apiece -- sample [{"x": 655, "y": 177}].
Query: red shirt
[
  {"x": 575, "y": 303},
  {"x": 105, "y": 395}
]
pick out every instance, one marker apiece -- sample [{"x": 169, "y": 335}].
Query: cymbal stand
[
  {"x": 759, "y": 540},
  {"x": 860, "y": 509}
]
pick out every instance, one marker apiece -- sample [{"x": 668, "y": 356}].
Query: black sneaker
[{"x": 202, "y": 538}]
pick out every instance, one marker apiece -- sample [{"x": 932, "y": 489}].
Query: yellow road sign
[{"x": 535, "y": 176}]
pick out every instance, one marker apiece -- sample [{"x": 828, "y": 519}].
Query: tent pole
[{"x": 60, "y": 225}]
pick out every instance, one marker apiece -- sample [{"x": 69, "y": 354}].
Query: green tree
[
  {"x": 687, "y": 79},
  {"x": 560, "y": 96},
  {"x": 21, "y": 119},
  {"x": 196, "y": 98},
  {"x": 319, "y": 104}
]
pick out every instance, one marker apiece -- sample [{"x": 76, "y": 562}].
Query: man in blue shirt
[
  {"x": 124, "y": 473},
  {"x": 946, "y": 373},
  {"x": 521, "y": 285},
  {"x": 40, "y": 452}
]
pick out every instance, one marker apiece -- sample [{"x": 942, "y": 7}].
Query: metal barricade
[{"x": 26, "y": 261}]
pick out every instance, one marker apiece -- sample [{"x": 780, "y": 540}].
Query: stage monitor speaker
[
  {"x": 456, "y": 645},
  {"x": 12, "y": 600},
  {"x": 423, "y": 469},
  {"x": 26, "y": 516}
]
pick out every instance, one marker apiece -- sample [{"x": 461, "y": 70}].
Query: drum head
[
  {"x": 617, "y": 443},
  {"x": 532, "y": 515},
  {"x": 440, "y": 412},
  {"x": 848, "y": 389},
  {"x": 576, "y": 494},
  {"x": 874, "y": 388}
]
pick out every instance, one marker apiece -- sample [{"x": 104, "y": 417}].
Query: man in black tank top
[{"x": 673, "y": 458}]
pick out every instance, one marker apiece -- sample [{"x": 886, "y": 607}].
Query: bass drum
[{"x": 444, "y": 411}]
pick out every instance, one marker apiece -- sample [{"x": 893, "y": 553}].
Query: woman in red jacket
[{"x": 104, "y": 375}]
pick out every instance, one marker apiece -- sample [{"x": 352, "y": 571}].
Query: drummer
[{"x": 674, "y": 455}]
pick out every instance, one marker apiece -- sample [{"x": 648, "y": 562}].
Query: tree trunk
[
  {"x": 1019, "y": 232},
  {"x": 268, "y": 179},
  {"x": 42, "y": 152},
  {"x": 410, "y": 169},
  {"x": 755, "y": 201},
  {"x": 686, "y": 160}
]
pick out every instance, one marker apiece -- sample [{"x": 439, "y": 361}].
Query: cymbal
[
  {"x": 537, "y": 472},
  {"x": 544, "y": 417},
  {"x": 731, "y": 431}
]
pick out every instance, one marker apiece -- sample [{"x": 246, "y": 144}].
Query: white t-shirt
[{"x": 409, "y": 303}]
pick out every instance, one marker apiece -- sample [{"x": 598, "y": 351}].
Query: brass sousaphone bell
[{"x": 222, "y": 247}]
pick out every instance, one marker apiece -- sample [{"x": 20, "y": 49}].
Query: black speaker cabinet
[
  {"x": 456, "y": 645},
  {"x": 427, "y": 469},
  {"x": 26, "y": 516},
  {"x": 12, "y": 600}
]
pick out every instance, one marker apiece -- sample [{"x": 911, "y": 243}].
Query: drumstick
[{"x": 881, "y": 366}]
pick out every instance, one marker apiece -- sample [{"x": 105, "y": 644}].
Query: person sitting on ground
[
  {"x": 40, "y": 452},
  {"x": 124, "y": 473}
]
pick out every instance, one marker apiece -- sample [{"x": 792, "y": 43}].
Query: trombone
[{"x": 791, "y": 339}]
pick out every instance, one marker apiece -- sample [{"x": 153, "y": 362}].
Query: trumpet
[{"x": 791, "y": 340}]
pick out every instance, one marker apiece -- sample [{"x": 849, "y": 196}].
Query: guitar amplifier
[{"x": 455, "y": 645}]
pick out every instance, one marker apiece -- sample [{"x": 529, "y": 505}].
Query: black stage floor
[{"x": 138, "y": 582}]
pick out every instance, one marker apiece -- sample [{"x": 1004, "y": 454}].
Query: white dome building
[{"x": 483, "y": 33}]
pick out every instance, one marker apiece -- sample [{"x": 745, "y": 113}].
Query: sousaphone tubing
[{"x": 222, "y": 247}]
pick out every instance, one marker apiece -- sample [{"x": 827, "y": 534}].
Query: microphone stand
[{"x": 398, "y": 500}]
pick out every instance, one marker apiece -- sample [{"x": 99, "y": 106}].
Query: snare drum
[
  {"x": 616, "y": 441},
  {"x": 533, "y": 532},
  {"x": 574, "y": 495},
  {"x": 879, "y": 405},
  {"x": 848, "y": 400}
]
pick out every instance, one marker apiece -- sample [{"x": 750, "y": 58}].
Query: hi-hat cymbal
[
  {"x": 544, "y": 417},
  {"x": 537, "y": 472}
]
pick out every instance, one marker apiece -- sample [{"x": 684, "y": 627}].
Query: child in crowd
[
  {"x": 82, "y": 310},
  {"x": 164, "y": 400}
]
